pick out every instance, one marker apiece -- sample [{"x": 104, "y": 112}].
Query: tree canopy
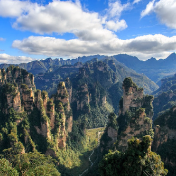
[{"x": 138, "y": 160}]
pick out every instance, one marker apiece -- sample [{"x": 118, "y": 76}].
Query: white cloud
[
  {"x": 64, "y": 16},
  {"x": 7, "y": 59},
  {"x": 13, "y": 8},
  {"x": 50, "y": 46},
  {"x": 143, "y": 56},
  {"x": 112, "y": 17},
  {"x": 165, "y": 11},
  {"x": 149, "y": 9},
  {"x": 59, "y": 17},
  {"x": 136, "y": 1},
  {"x": 116, "y": 8},
  {"x": 94, "y": 32},
  {"x": 116, "y": 26},
  {"x": 2, "y": 39}
]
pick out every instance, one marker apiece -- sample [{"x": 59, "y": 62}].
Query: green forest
[{"x": 96, "y": 118}]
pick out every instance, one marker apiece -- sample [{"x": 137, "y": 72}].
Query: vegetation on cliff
[
  {"x": 138, "y": 160},
  {"x": 28, "y": 164},
  {"x": 31, "y": 122},
  {"x": 165, "y": 96},
  {"x": 165, "y": 138},
  {"x": 134, "y": 119}
]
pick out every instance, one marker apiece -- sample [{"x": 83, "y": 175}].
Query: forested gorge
[{"x": 83, "y": 111}]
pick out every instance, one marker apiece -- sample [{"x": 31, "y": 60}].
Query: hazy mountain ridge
[
  {"x": 49, "y": 80},
  {"x": 152, "y": 68},
  {"x": 165, "y": 96},
  {"x": 41, "y": 66}
]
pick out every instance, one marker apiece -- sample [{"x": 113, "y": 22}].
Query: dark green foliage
[
  {"x": 76, "y": 136},
  {"x": 148, "y": 99},
  {"x": 113, "y": 121},
  {"x": 165, "y": 96},
  {"x": 167, "y": 121},
  {"x": 49, "y": 105},
  {"x": 29, "y": 164},
  {"x": 168, "y": 154},
  {"x": 123, "y": 121},
  {"x": 138, "y": 160},
  {"x": 127, "y": 83},
  {"x": 6, "y": 168},
  {"x": 44, "y": 94},
  {"x": 115, "y": 93},
  {"x": 97, "y": 117},
  {"x": 168, "y": 118},
  {"x": 35, "y": 119}
]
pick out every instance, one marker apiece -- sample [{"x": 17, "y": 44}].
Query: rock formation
[
  {"x": 134, "y": 118},
  {"x": 164, "y": 142},
  {"x": 38, "y": 117}
]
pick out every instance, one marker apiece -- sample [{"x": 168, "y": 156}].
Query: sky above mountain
[{"x": 37, "y": 29}]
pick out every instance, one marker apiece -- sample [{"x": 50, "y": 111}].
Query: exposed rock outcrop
[
  {"x": 51, "y": 118},
  {"x": 63, "y": 110},
  {"x": 134, "y": 118},
  {"x": 17, "y": 75},
  {"x": 164, "y": 142}
]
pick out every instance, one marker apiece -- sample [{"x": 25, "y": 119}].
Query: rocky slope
[
  {"x": 165, "y": 139},
  {"x": 134, "y": 118},
  {"x": 152, "y": 68},
  {"x": 30, "y": 119},
  {"x": 42, "y": 66},
  {"x": 165, "y": 96}
]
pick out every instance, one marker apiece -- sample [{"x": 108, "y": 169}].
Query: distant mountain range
[
  {"x": 152, "y": 68},
  {"x": 115, "y": 71},
  {"x": 41, "y": 66}
]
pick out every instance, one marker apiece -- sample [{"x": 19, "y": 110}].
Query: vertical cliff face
[
  {"x": 11, "y": 98},
  {"x": 27, "y": 98},
  {"x": 138, "y": 126},
  {"x": 135, "y": 114},
  {"x": 164, "y": 142},
  {"x": 55, "y": 114},
  {"x": 63, "y": 96},
  {"x": 17, "y": 75},
  {"x": 69, "y": 88},
  {"x": 83, "y": 97},
  {"x": 63, "y": 114},
  {"x": 18, "y": 88},
  {"x": 132, "y": 96},
  {"x": 43, "y": 123},
  {"x": 134, "y": 118}
]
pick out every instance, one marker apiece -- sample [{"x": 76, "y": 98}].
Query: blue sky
[{"x": 37, "y": 29}]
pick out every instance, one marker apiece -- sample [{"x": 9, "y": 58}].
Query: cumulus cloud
[
  {"x": 7, "y": 59},
  {"x": 14, "y": 8},
  {"x": 136, "y": 1},
  {"x": 64, "y": 16},
  {"x": 149, "y": 9},
  {"x": 113, "y": 15},
  {"x": 116, "y": 26},
  {"x": 116, "y": 8},
  {"x": 59, "y": 17},
  {"x": 165, "y": 11},
  {"x": 94, "y": 32},
  {"x": 50, "y": 46}
]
